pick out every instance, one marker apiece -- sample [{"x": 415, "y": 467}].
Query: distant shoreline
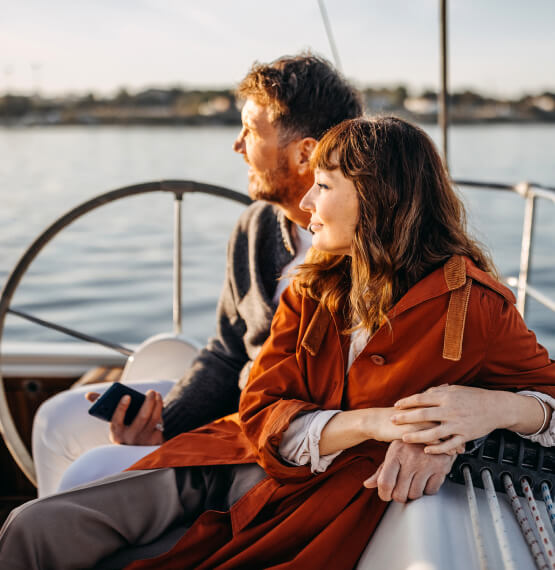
[
  {"x": 179, "y": 107},
  {"x": 203, "y": 124}
]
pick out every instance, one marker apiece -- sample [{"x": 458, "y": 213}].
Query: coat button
[{"x": 377, "y": 359}]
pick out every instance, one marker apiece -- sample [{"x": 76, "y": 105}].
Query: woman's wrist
[
  {"x": 345, "y": 430},
  {"x": 350, "y": 428},
  {"x": 378, "y": 425},
  {"x": 375, "y": 423},
  {"x": 527, "y": 415}
]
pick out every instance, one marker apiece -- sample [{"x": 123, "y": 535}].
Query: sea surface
[{"x": 110, "y": 272}]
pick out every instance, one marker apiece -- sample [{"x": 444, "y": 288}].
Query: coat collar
[
  {"x": 447, "y": 278},
  {"x": 452, "y": 277}
]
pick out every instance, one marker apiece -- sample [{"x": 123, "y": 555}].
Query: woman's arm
[
  {"x": 348, "y": 429},
  {"x": 465, "y": 413},
  {"x": 277, "y": 393},
  {"x": 513, "y": 360}
]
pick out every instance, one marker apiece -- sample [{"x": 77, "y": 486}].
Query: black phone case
[{"x": 105, "y": 406}]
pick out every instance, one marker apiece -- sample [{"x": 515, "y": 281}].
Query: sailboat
[{"x": 460, "y": 527}]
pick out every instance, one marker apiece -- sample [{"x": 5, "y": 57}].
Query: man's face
[{"x": 271, "y": 177}]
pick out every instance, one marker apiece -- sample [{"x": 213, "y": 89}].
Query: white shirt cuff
[
  {"x": 547, "y": 437},
  {"x": 300, "y": 443}
]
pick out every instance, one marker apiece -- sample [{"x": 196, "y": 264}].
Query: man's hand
[
  {"x": 145, "y": 428},
  {"x": 408, "y": 473}
]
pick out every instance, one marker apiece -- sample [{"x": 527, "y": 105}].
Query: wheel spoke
[
  {"x": 72, "y": 332},
  {"x": 177, "y": 264}
]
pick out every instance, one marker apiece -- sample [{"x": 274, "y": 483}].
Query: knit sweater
[{"x": 259, "y": 247}]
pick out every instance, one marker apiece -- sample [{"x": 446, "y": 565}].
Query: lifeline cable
[
  {"x": 546, "y": 541},
  {"x": 475, "y": 518},
  {"x": 548, "y": 504},
  {"x": 525, "y": 527},
  {"x": 498, "y": 525}
]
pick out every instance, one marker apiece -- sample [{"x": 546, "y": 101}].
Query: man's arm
[{"x": 209, "y": 390}]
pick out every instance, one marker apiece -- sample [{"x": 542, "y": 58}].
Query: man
[{"x": 289, "y": 104}]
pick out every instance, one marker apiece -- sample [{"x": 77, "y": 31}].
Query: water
[{"x": 109, "y": 273}]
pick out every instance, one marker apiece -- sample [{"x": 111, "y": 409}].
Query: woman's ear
[{"x": 303, "y": 150}]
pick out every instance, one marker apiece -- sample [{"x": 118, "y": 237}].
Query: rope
[
  {"x": 329, "y": 33},
  {"x": 525, "y": 527},
  {"x": 500, "y": 530},
  {"x": 474, "y": 517},
  {"x": 539, "y": 522},
  {"x": 548, "y": 503}
]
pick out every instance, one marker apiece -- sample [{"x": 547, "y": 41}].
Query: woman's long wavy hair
[{"x": 411, "y": 221}]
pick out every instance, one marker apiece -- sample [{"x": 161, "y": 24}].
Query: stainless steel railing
[{"x": 530, "y": 192}]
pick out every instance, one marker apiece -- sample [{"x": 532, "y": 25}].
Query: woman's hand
[
  {"x": 461, "y": 413},
  {"x": 380, "y": 426}
]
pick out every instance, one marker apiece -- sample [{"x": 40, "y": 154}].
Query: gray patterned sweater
[{"x": 259, "y": 247}]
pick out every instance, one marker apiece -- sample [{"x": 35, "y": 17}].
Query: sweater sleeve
[
  {"x": 209, "y": 390},
  {"x": 257, "y": 251}
]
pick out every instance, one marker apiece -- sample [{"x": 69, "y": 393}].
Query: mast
[{"x": 443, "y": 93}]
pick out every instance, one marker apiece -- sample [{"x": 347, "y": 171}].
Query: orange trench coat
[{"x": 458, "y": 326}]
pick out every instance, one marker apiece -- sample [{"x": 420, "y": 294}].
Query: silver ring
[{"x": 159, "y": 426}]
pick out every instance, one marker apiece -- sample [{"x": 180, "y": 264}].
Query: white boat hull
[{"x": 435, "y": 533}]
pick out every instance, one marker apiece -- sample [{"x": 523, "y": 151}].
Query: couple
[{"x": 393, "y": 298}]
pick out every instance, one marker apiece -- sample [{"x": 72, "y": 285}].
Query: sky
[{"x": 498, "y": 47}]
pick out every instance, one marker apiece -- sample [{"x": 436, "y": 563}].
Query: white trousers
[{"x": 64, "y": 431}]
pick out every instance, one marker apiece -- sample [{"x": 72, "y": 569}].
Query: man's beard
[{"x": 278, "y": 185}]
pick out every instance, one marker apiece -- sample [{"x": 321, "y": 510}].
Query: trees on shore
[{"x": 219, "y": 106}]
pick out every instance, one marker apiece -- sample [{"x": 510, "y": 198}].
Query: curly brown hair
[
  {"x": 411, "y": 220},
  {"x": 306, "y": 94}
]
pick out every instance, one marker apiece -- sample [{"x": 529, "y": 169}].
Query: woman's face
[{"x": 333, "y": 205}]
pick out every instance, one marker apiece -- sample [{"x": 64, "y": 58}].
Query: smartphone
[{"x": 105, "y": 406}]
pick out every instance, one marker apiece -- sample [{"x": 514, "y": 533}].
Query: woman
[{"x": 395, "y": 298}]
